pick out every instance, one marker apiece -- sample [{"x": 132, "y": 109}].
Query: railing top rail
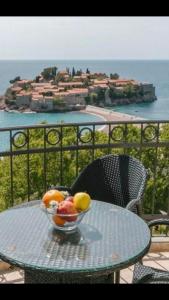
[{"x": 83, "y": 124}]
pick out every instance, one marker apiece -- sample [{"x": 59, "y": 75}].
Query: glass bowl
[{"x": 64, "y": 222}]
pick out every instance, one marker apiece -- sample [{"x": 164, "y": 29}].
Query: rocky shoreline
[
  {"x": 26, "y": 109},
  {"x": 122, "y": 101}
]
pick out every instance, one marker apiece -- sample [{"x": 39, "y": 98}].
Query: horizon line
[{"x": 77, "y": 59}]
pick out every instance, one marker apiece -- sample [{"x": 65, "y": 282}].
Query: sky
[{"x": 84, "y": 38}]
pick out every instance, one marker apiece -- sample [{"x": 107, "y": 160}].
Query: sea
[{"x": 152, "y": 71}]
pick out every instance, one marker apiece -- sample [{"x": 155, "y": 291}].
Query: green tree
[
  {"x": 73, "y": 72},
  {"x": 48, "y": 94},
  {"x": 93, "y": 98},
  {"x": 129, "y": 90},
  {"x": 88, "y": 100},
  {"x": 26, "y": 87},
  {"x": 86, "y": 82},
  {"x": 59, "y": 77},
  {"x": 112, "y": 93},
  {"x": 79, "y": 72},
  {"x": 15, "y": 79},
  {"x": 49, "y": 73},
  {"x": 10, "y": 101},
  {"x": 37, "y": 79},
  {"x": 114, "y": 76},
  {"x": 58, "y": 101},
  {"x": 101, "y": 96}
]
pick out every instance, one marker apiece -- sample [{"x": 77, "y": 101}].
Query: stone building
[{"x": 23, "y": 98}]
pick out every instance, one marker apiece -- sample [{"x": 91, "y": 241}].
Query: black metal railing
[{"x": 35, "y": 157}]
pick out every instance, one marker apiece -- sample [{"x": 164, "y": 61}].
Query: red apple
[
  {"x": 69, "y": 198},
  {"x": 67, "y": 208}
]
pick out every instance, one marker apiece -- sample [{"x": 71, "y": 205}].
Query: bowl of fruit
[{"x": 64, "y": 211}]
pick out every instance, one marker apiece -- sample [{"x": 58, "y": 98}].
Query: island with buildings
[{"x": 61, "y": 91}]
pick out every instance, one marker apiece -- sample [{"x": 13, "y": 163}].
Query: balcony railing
[{"x": 35, "y": 157}]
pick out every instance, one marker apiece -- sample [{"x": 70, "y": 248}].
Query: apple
[
  {"x": 69, "y": 198},
  {"x": 67, "y": 208}
]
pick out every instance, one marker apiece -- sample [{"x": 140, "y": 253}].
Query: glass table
[{"x": 108, "y": 239}]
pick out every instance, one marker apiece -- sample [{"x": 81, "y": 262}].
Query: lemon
[{"x": 81, "y": 201}]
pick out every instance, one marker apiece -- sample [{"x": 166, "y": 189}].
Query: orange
[
  {"x": 52, "y": 195},
  {"x": 58, "y": 220}
]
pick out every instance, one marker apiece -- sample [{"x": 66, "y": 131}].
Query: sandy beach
[{"x": 110, "y": 115}]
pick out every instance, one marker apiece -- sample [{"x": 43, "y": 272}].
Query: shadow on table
[
  {"x": 84, "y": 234},
  {"x": 71, "y": 245}
]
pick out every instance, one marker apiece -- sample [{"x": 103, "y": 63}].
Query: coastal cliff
[{"x": 61, "y": 91}]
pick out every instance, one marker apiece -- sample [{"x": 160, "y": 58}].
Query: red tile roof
[
  {"x": 70, "y": 83},
  {"x": 63, "y": 72},
  {"x": 40, "y": 84},
  {"x": 100, "y": 81},
  {"x": 24, "y": 81},
  {"x": 16, "y": 89},
  {"x": 103, "y": 85}
]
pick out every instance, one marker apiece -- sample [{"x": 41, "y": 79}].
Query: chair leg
[
  {"x": 110, "y": 278},
  {"x": 117, "y": 277}
]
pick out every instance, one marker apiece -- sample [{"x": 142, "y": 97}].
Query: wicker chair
[
  {"x": 149, "y": 275},
  {"x": 116, "y": 179}
]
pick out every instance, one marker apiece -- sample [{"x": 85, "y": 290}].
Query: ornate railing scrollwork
[
  {"x": 57, "y": 134},
  {"x": 16, "y": 137},
  {"x": 150, "y": 133},
  {"x": 120, "y": 135},
  {"x": 82, "y": 135}
]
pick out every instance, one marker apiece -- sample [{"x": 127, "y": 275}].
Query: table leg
[
  {"x": 117, "y": 277},
  {"x": 32, "y": 277}
]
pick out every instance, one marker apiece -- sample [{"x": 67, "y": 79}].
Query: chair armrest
[
  {"x": 132, "y": 204},
  {"x": 158, "y": 222}
]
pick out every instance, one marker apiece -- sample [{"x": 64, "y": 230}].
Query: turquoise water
[
  {"x": 156, "y": 72},
  {"x": 13, "y": 119},
  {"x": 21, "y": 119}
]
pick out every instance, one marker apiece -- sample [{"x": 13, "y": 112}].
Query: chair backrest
[{"x": 115, "y": 179}]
